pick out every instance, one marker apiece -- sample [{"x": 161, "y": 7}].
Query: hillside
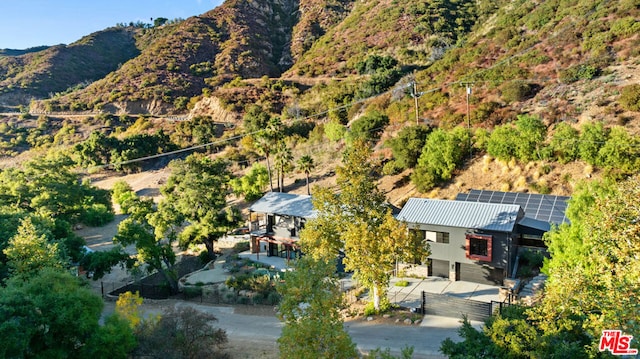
[
  {"x": 321, "y": 66},
  {"x": 58, "y": 68}
]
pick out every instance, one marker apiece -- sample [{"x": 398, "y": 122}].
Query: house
[
  {"x": 275, "y": 221},
  {"x": 470, "y": 241},
  {"x": 478, "y": 236}
]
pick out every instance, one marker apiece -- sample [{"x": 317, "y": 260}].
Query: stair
[{"x": 530, "y": 291}]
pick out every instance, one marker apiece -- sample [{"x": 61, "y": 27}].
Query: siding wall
[{"x": 454, "y": 251}]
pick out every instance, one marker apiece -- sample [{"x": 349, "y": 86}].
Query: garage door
[
  {"x": 479, "y": 273},
  {"x": 439, "y": 268}
]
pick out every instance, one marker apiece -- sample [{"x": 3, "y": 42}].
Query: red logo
[{"x": 616, "y": 342}]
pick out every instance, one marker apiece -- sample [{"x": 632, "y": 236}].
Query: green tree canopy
[
  {"x": 443, "y": 152},
  {"x": 407, "y": 145},
  {"x": 252, "y": 185},
  {"x": 359, "y": 221},
  {"x": 29, "y": 251},
  {"x": 197, "y": 192},
  {"x": 53, "y": 316},
  {"x": 310, "y": 310}
]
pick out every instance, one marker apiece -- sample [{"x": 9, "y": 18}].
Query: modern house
[
  {"x": 470, "y": 241},
  {"x": 478, "y": 236},
  {"x": 275, "y": 221}
]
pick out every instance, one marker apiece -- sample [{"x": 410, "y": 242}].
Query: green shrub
[
  {"x": 579, "y": 72},
  {"x": 630, "y": 97},
  {"x": 515, "y": 91},
  {"x": 334, "y": 130},
  {"x": 273, "y": 298},
  {"x": 407, "y": 146},
  {"x": 402, "y": 283},
  {"x": 97, "y": 214},
  {"x": 385, "y": 306},
  {"x": 391, "y": 168},
  {"x": 192, "y": 292},
  {"x": 369, "y": 126}
]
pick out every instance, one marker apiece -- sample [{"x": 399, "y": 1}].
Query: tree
[
  {"x": 334, "y": 130},
  {"x": 266, "y": 141},
  {"x": 153, "y": 236},
  {"x": 502, "y": 142},
  {"x": 564, "y": 144},
  {"x": 310, "y": 310},
  {"x": 252, "y": 184},
  {"x": 593, "y": 282},
  {"x": 620, "y": 155},
  {"x": 255, "y": 119},
  {"x": 282, "y": 160},
  {"x": 407, "y": 145},
  {"x": 181, "y": 333},
  {"x": 30, "y": 251},
  {"x": 53, "y": 316},
  {"x": 368, "y": 127},
  {"x": 594, "y": 276},
  {"x": 532, "y": 133},
  {"x": 306, "y": 165},
  {"x": 442, "y": 154},
  {"x": 359, "y": 221},
  {"x": 592, "y": 137},
  {"x": 197, "y": 192}
]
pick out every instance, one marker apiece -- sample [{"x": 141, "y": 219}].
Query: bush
[
  {"x": 580, "y": 72},
  {"x": 407, "y": 146},
  {"x": 368, "y": 127},
  {"x": 515, "y": 91},
  {"x": 391, "y": 168},
  {"x": 97, "y": 214},
  {"x": 334, "y": 130},
  {"x": 630, "y": 97},
  {"x": 402, "y": 283}
]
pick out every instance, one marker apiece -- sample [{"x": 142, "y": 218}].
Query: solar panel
[{"x": 542, "y": 207}]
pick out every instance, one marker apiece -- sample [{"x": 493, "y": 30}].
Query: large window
[
  {"x": 438, "y": 237},
  {"x": 479, "y": 247}
]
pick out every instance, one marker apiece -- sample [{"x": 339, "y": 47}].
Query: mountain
[
  {"x": 551, "y": 58},
  {"x": 41, "y": 72}
]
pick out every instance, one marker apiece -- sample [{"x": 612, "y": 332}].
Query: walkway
[{"x": 409, "y": 296}]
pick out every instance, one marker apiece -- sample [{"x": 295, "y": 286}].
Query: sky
[{"x": 30, "y": 23}]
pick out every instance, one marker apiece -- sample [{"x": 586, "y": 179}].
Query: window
[
  {"x": 438, "y": 237},
  {"x": 479, "y": 247}
]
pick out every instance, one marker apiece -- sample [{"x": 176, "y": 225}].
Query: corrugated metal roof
[
  {"x": 285, "y": 204},
  {"x": 462, "y": 214}
]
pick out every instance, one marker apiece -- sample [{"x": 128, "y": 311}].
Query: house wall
[{"x": 455, "y": 250}]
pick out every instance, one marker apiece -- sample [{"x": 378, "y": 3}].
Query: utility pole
[
  {"x": 415, "y": 99},
  {"x": 468, "y": 90}
]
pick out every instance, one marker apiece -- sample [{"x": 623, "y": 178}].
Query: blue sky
[{"x": 29, "y": 23}]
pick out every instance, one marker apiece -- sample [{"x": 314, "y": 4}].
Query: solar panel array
[{"x": 542, "y": 207}]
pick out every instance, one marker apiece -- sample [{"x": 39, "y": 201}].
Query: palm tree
[
  {"x": 263, "y": 147},
  {"x": 267, "y": 139},
  {"x": 283, "y": 158},
  {"x": 306, "y": 165}
]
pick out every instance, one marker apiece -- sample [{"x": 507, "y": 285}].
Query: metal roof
[
  {"x": 473, "y": 215},
  {"x": 543, "y": 207},
  {"x": 285, "y": 204}
]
